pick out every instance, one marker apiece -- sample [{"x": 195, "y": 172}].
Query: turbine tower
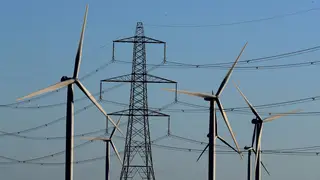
[{"x": 137, "y": 158}]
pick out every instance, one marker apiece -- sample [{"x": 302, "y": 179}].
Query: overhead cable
[
  {"x": 31, "y": 161},
  {"x": 200, "y": 109},
  {"x": 233, "y": 23},
  {"x": 223, "y": 67}
]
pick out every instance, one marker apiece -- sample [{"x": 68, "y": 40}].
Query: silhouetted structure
[
  {"x": 213, "y": 134},
  {"x": 137, "y": 154},
  {"x": 257, "y": 134},
  {"x": 108, "y": 141},
  {"x": 69, "y": 82}
]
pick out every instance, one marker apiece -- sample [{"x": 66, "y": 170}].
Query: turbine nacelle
[
  {"x": 256, "y": 121},
  {"x": 210, "y": 98},
  {"x": 208, "y": 135},
  {"x": 65, "y": 78}
]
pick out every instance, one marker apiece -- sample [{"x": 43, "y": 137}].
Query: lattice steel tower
[{"x": 137, "y": 158}]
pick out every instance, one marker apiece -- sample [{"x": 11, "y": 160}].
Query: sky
[{"x": 38, "y": 42}]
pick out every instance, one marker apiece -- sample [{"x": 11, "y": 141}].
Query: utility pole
[{"x": 137, "y": 160}]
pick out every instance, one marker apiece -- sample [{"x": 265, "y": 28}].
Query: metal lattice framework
[{"x": 137, "y": 158}]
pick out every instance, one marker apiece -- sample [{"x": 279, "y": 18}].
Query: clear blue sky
[{"x": 38, "y": 42}]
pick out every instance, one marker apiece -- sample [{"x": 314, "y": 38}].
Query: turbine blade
[
  {"x": 248, "y": 103},
  {"x": 280, "y": 115},
  {"x": 48, "y": 89},
  {"x": 96, "y": 138},
  {"x": 198, "y": 94},
  {"x": 225, "y": 118},
  {"x": 203, "y": 152},
  {"x": 226, "y": 143},
  {"x": 228, "y": 75},
  {"x": 79, "y": 51},
  {"x": 116, "y": 151},
  {"x": 264, "y": 167},
  {"x": 216, "y": 122},
  {"x": 95, "y": 102},
  {"x": 114, "y": 129},
  {"x": 259, "y": 144}
]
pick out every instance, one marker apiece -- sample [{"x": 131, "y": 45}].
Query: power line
[
  {"x": 99, "y": 68},
  {"x": 264, "y": 58},
  {"x": 17, "y": 134},
  {"x": 235, "y": 23},
  {"x": 61, "y": 103},
  {"x": 53, "y": 92},
  {"x": 239, "y": 110},
  {"x": 230, "y": 152},
  {"x": 46, "y": 124},
  {"x": 173, "y": 148},
  {"x": 31, "y": 161},
  {"x": 205, "y": 108},
  {"x": 223, "y": 67},
  {"x": 57, "y": 163},
  {"x": 200, "y": 109},
  {"x": 56, "y": 137},
  {"x": 185, "y": 65},
  {"x": 299, "y": 151},
  {"x": 163, "y": 147},
  {"x": 10, "y": 105},
  {"x": 61, "y": 152}
]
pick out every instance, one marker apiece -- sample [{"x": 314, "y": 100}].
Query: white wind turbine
[
  {"x": 258, "y": 126},
  {"x": 108, "y": 141},
  {"x": 213, "y": 121},
  {"x": 251, "y": 149},
  {"x": 70, "y": 81}
]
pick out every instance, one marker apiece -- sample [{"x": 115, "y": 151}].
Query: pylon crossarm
[
  {"x": 127, "y": 112},
  {"x": 139, "y": 39}
]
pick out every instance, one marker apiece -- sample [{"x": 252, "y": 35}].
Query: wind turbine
[
  {"x": 258, "y": 126},
  {"x": 251, "y": 149},
  {"x": 69, "y": 81},
  {"x": 213, "y": 121},
  {"x": 108, "y": 141}
]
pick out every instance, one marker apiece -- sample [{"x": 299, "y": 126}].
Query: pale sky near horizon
[{"x": 38, "y": 43}]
